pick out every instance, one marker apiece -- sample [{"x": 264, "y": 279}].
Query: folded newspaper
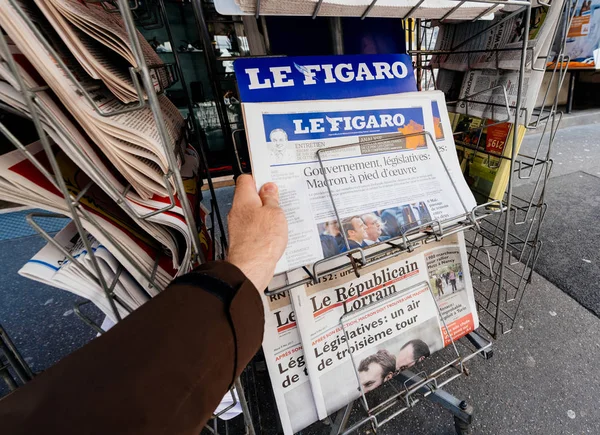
[
  {"x": 50, "y": 266},
  {"x": 95, "y": 33},
  {"x": 133, "y": 247},
  {"x": 104, "y": 164},
  {"x": 357, "y": 332},
  {"x": 130, "y": 139},
  {"x": 287, "y": 365},
  {"x": 347, "y": 157},
  {"x": 498, "y": 44}
]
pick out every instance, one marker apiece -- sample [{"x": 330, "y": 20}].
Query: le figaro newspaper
[
  {"x": 357, "y": 332},
  {"x": 400, "y": 160}
]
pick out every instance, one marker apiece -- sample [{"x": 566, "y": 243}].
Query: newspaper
[
  {"x": 450, "y": 83},
  {"x": 286, "y": 364},
  {"x": 105, "y": 164},
  {"x": 542, "y": 28},
  {"x": 473, "y": 41},
  {"x": 72, "y": 142},
  {"x": 125, "y": 239},
  {"x": 492, "y": 41},
  {"x": 98, "y": 61},
  {"x": 498, "y": 44},
  {"x": 101, "y": 172},
  {"x": 404, "y": 176},
  {"x": 477, "y": 92},
  {"x": 398, "y": 168},
  {"x": 108, "y": 29},
  {"x": 391, "y": 309},
  {"x": 428, "y": 9},
  {"x": 131, "y": 140},
  {"x": 114, "y": 165},
  {"x": 500, "y": 103},
  {"x": 53, "y": 268}
]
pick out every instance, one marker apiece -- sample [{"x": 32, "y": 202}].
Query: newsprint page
[
  {"x": 286, "y": 364},
  {"x": 351, "y": 134},
  {"x": 413, "y": 175},
  {"x": 387, "y": 315}
]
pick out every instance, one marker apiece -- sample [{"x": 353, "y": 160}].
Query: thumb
[{"x": 269, "y": 194}]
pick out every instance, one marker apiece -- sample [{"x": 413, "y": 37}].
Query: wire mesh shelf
[{"x": 502, "y": 235}]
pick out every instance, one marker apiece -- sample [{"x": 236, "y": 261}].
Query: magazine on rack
[
  {"x": 399, "y": 158},
  {"x": 401, "y": 310},
  {"x": 484, "y": 148}
]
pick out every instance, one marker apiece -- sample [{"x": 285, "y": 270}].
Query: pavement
[{"x": 543, "y": 377}]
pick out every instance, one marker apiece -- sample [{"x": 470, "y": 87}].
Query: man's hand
[{"x": 258, "y": 231}]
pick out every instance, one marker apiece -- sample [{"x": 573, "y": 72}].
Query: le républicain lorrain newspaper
[
  {"x": 395, "y": 314},
  {"x": 406, "y": 176}
]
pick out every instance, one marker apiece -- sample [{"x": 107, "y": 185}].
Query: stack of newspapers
[
  {"x": 77, "y": 56},
  {"x": 488, "y": 66},
  {"x": 365, "y": 165}
]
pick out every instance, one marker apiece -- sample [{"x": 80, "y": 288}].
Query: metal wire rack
[
  {"x": 144, "y": 78},
  {"x": 503, "y": 235}
]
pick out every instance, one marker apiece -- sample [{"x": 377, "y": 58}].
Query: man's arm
[{"x": 164, "y": 368}]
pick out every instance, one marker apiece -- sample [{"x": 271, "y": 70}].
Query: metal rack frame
[
  {"x": 503, "y": 236},
  {"x": 412, "y": 384},
  {"x": 501, "y": 259},
  {"x": 121, "y": 197},
  {"x": 517, "y": 233},
  {"x": 14, "y": 371}
]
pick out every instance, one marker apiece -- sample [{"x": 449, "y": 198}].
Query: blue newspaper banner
[
  {"x": 323, "y": 77},
  {"x": 319, "y": 125}
]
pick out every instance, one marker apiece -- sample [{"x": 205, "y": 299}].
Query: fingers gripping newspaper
[
  {"x": 410, "y": 176},
  {"x": 358, "y": 332}
]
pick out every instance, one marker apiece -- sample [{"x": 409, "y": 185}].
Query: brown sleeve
[{"x": 162, "y": 370}]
